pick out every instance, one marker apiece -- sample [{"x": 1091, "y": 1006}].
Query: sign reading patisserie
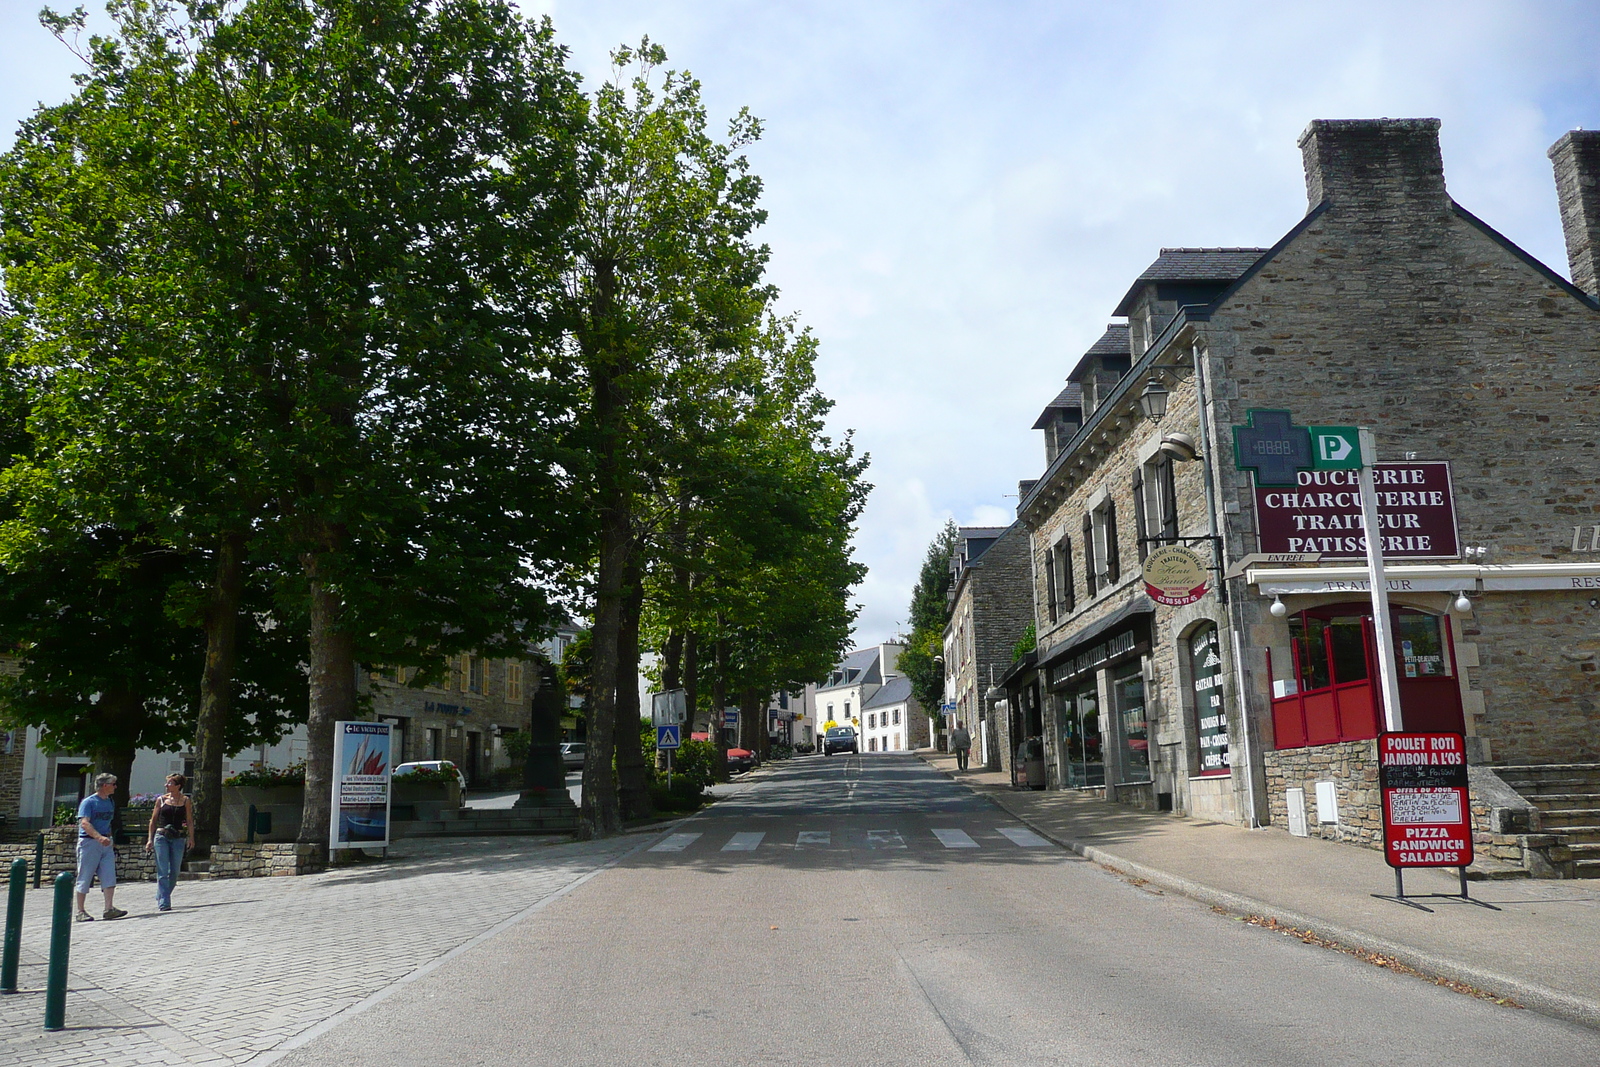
[{"x": 1416, "y": 511}]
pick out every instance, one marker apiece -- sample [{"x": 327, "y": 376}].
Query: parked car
[
  {"x": 839, "y": 739},
  {"x": 572, "y": 755},
  {"x": 741, "y": 759},
  {"x": 432, "y": 765}
]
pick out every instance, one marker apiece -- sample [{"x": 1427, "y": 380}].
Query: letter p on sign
[{"x": 1335, "y": 448}]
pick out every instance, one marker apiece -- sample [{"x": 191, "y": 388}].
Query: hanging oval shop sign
[{"x": 1175, "y": 576}]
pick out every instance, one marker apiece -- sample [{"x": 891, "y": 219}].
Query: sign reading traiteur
[
  {"x": 1322, "y": 513},
  {"x": 1427, "y": 817},
  {"x": 1174, "y": 576}
]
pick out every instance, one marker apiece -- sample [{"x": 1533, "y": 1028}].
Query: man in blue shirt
[{"x": 96, "y": 854}]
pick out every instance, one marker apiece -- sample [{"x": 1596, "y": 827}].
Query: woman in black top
[{"x": 171, "y": 831}]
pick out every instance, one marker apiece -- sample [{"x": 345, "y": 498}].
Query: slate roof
[
  {"x": 1070, "y": 397},
  {"x": 895, "y": 691},
  {"x": 1194, "y": 266},
  {"x": 863, "y": 660},
  {"x": 1114, "y": 342}
]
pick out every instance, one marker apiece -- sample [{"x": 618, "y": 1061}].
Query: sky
[{"x": 959, "y": 194}]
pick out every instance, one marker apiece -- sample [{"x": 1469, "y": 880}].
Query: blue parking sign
[{"x": 667, "y": 736}]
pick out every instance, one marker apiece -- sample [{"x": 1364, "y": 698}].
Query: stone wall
[
  {"x": 266, "y": 860},
  {"x": 134, "y": 864},
  {"x": 998, "y": 598},
  {"x": 1352, "y": 767}
]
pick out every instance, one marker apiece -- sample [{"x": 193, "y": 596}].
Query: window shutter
[
  {"x": 1088, "y": 554},
  {"x": 1169, "y": 500},
  {"x": 1064, "y": 554},
  {"x": 1141, "y": 528},
  {"x": 1050, "y": 582},
  {"x": 1112, "y": 570}
]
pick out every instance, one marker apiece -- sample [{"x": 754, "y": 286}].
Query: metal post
[
  {"x": 1400, "y": 883},
  {"x": 250, "y": 830},
  {"x": 38, "y": 859},
  {"x": 1381, "y": 625},
  {"x": 13, "y": 946},
  {"x": 55, "y": 989}
]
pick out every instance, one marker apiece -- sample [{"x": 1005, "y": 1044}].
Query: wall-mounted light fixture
[
  {"x": 1279, "y": 609},
  {"x": 1153, "y": 401},
  {"x": 1462, "y": 604},
  {"x": 1179, "y": 446}
]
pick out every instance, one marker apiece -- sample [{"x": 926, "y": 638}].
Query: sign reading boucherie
[
  {"x": 1427, "y": 818},
  {"x": 1416, "y": 510}
]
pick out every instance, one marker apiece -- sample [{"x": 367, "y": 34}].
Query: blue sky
[{"x": 960, "y": 193}]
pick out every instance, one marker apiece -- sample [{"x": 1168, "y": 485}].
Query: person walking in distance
[
  {"x": 961, "y": 741},
  {"x": 96, "y": 854},
  {"x": 171, "y": 831}
]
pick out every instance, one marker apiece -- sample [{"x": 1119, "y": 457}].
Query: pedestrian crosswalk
[{"x": 876, "y": 839}]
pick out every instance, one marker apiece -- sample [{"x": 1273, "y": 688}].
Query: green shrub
[
  {"x": 684, "y": 796},
  {"x": 692, "y": 763},
  {"x": 65, "y": 815},
  {"x": 517, "y": 743}
]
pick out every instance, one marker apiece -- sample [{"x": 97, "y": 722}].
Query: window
[
  {"x": 1128, "y": 688},
  {"x": 513, "y": 681},
  {"x": 435, "y": 743},
  {"x": 458, "y": 673},
  {"x": 1090, "y": 572},
  {"x": 1051, "y": 595},
  {"x": 1102, "y": 532},
  {"x": 897, "y": 717},
  {"x": 477, "y": 673},
  {"x": 897, "y": 742},
  {"x": 1155, "y": 503},
  {"x": 1064, "y": 577},
  {"x": 872, "y": 720},
  {"x": 847, "y": 709}
]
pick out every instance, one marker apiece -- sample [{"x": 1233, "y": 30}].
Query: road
[{"x": 867, "y": 910}]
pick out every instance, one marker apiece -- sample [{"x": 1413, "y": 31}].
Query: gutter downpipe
[{"x": 1198, "y": 353}]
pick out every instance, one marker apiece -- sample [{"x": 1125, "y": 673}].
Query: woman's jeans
[{"x": 169, "y": 861}]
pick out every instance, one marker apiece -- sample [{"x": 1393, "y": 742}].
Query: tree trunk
[
  {"x": 216, "y": 689},
  {"x": 121, "y": 714},
  {"x": 691, "y": 678},
  {"x": 333, "y": 695},
  {"x": 753, "y": 722},
  {"x": 719, "y": 701},
  {"x": 672, "y": 662},
  {"x": 633, "y": 784}
]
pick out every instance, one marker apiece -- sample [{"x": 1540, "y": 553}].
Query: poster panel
[
  {"x": 1427, "y": 818},
  {"x": 361, "y": 770},
  {"x": 1205, "y": 666}
]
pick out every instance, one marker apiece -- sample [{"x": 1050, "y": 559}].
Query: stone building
[
  {"x": 990, "y": 611},
  {"x": 1477, "y": 368}
]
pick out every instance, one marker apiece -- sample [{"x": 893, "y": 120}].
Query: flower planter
[
  {"x": 284, "y": 802},
  {"x": 420, "y": 799}
]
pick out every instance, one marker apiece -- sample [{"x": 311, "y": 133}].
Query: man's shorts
[{"x": 96, "y": 859}]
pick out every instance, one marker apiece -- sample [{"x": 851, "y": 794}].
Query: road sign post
[{"x": 1382, "y": 629}]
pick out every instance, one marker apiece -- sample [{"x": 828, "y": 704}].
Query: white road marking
[
  {"x": 813, "y": 839},
  {"x": 884, "y": 839},
  {"x": 744, "y": 842},
  {"x": 955, "y": 839},
  {"x": 1024, "y": 838},
  {"x": 675, "y": 843}
]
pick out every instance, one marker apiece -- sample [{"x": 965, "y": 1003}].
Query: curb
[{"x": 1530, "y": 995}]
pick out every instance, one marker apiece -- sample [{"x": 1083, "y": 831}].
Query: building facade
[
  {"x": 990, "y": 611},
  {"x": 1477, "y": 369}
]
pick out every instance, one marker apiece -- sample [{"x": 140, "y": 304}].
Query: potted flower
[{"x": 278, "y": 791}]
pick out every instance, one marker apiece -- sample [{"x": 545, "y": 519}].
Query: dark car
[
  {"x": 839, "y": 739},
  {"x": 741, "y": 759}
]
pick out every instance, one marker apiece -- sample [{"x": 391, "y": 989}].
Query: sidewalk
[
  {"x": 245, "y": 969},
  {"x": 1539, "y": 949}
]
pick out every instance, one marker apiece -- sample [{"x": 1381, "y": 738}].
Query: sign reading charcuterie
[
  {"x": 1322, "y": 513},
  {"x": 1175, "y": 576}
]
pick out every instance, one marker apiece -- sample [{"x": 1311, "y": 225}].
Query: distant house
[
  {"x": 991, "y": 607},
  {"x": 864, "y": 688}
]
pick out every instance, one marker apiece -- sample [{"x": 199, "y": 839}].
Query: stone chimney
[
  {"x": 1375, "y": 163},
  {"x": 1577, "y": 161}
]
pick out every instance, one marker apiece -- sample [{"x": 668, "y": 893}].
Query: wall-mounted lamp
[
  {"x": 1179, "y": 446},
  {"x": 1279, "y": 609},
  {"x": 1153, "y": 401},
  {"x": 1475, "y": 552},
  {"x": 1462, "y": 605}
]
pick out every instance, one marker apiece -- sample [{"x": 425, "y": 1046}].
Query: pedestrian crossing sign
[{"x": 667, "y": 737}]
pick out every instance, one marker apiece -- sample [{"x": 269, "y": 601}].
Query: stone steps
[
  {"x": 487, "y": 822},
  {"x": 1568, "y": 798}
]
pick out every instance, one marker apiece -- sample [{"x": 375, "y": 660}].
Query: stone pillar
[
  {"x": 1576, "y": 158},
  {"x": 544, "y": 778}
]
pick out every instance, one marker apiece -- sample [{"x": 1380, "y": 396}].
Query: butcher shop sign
[{"x": 1322, "y": 513}]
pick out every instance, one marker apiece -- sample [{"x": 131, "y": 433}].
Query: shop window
[
  {"x": 1078, "y": 727},
  {"x": 1127, "y": 688}
]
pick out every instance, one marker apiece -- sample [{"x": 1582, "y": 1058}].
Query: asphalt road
[{"x": 866, "y": 910}]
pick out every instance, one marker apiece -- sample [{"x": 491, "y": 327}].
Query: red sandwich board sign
[{"x": 1427, "y": 818}]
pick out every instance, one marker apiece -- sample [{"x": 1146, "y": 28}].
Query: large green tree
[
  {"x": 285, "y": 240},
  {"x": 922, "y": 661}
]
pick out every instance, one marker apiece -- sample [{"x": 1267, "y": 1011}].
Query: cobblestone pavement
[{"x": 242, "y": 967}]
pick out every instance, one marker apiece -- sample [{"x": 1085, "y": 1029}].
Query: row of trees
[{"x": 347, "y": 332}]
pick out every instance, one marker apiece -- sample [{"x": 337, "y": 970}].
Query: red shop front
[{"x": 1332, "y": 693}]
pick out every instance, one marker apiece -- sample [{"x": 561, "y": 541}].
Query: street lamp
[{"x": 1153, "y": 401}]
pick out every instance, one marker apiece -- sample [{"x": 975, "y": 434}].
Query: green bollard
[
  {"x": 13, "y": 947},
  {"x": 55, "y": 988},
  {"x": 38, "y": 860}
]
